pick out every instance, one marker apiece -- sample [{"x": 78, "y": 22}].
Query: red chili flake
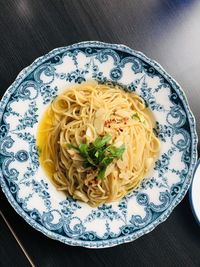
[
  {"x": 105, "y": 124},
  {"x": 125, "y": 120},
  {"x": 108, "y": 122}
]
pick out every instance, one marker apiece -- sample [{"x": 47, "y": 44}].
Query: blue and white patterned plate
[{"x": 29, "y": 190}]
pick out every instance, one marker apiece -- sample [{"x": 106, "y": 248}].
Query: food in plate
[{"x": 96, "y": 142}]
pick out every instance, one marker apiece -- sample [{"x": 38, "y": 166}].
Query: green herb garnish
[
  {"x": 72, "y": 146},
  {"x": 39, "y": 150},
  {"x": 99, "y": 155},
  {"x": 102, "y": 141},
  {"x": 136, "y": 117},
  {"x": 101, "y": 172},
  {"x": 116, "y": 152}
]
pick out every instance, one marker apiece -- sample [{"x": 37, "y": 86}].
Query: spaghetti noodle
[{"x": 71, "y": 128}]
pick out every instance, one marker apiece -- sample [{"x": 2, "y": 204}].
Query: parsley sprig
[{"x": 99, "y": 155}]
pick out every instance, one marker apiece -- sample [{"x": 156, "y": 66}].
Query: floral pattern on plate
[{"x": 29, "y": 190}]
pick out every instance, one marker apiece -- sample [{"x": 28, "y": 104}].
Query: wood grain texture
[
  {"x": 167, "y": 31},
  {"x": 9, "y": 248}
]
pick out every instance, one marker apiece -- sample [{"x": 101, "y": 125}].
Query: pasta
[{"x": 96, "y": 142}]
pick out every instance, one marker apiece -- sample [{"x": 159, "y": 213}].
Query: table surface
[{"x": 167, "y": 31}]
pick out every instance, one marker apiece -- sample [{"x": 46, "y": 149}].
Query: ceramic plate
[{"x": 29, "y": 190}]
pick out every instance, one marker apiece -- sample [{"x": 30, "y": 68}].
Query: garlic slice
[
  {"x": 100, "y": 118},
  {"x": 125, "y": 175},
  {"x": 79, "y": 195},
  {"x": 123, "y": 113}
]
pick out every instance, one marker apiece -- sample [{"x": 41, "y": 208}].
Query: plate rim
[{"x": 175, "y": 202}]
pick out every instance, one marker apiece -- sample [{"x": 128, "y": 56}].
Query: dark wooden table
[{"x": 165, "y": 30}]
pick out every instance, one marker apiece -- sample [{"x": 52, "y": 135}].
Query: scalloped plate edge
[{"x": 177, "y": 200}]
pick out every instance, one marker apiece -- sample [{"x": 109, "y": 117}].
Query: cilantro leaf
[
  {"x": 116, "y": 152},
  {"x": 83, "y": 148},
  {"x": 101, "y": 172},
  {"x": 99, "y": 155},
  {"x": 106, "y": 161},
  {"x": 96, "y": 154},
  {"x": 101, "y": 141},
  {"x": 84, "y": 151},
  {"x": 72, "y": 146}
]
